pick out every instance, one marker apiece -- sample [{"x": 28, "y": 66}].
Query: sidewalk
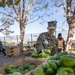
[{"x": 9, "y": 59}]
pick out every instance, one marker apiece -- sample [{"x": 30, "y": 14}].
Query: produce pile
[
  {"x": 45, "y": 54},
  {"x": 59, "y": 64},
  {"x": 19, "y": 70}
]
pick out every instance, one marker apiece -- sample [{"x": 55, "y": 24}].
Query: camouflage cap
[{"x": 52, "y": 25}]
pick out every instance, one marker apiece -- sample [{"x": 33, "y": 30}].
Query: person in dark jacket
[
  {"x": 2, "y": 49},
  {"x": 61, "y": 43}
]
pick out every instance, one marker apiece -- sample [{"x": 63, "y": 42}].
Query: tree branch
[
  {"x": 19, "y": 13},
  {"x": 33, "y": 21},
  {"x": 13, "y": 7},
  {"x": 74, "y": 12},
  {"x": 36, "y": 19},
  {"x": 23, "y": 7},
  {"x": 8, "y": 15},
  {"x": 59, "y": 4},
  {"x": 1, "y": 30},
  {"x": 28, "y": 9},
  {"x": 68, "y": 2},
  {"x": 65, "y": 10}
]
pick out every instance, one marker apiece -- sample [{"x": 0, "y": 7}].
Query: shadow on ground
[{"x": 9, "y": 59}]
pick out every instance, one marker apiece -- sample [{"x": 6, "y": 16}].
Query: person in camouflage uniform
[{"x": 47, "y": 40}]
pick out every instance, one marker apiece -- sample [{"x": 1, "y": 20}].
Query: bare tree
[
  {"x": 5, "y": 27},
  {"x": 24, "y": 12},
  {"x": 69, "y": 8}
]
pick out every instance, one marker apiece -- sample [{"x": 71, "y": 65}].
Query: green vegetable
[
  {"x": 47, "y": 51},
  {"x": 68, "y": 60},
  {"x": 34, "y": 55},
  {"x": 32, "y": 66},
  {"x": 65, "y": 71},
  {"x": 26, "y": 66},
  {"x": 62, "y": 53},
  {"x": 42, "y": 55},
  {"x": 59, "y": 55},
  {"x": 49, "y": 71},
  {"x": 47, "y": 56},
  {"x": 52, "y": 58},
  {"x": 16, "y": 73},
  {"x": 26, "y": 71},
  {"x": 12, "y": 71},
  {"x": 38, "y": 72},
  {"x": 20, "y": 68},
  {"x": 58, "y": 62},
  {"x": 46, "y": 66},
  {"x": 22, "y": 72},
  {"x": 53, "y": 64},
  {"x": 6, "y": 74},
  {"x": 9, "y": 68}
]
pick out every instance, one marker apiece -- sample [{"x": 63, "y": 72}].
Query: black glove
[{"x": 39, "y": 51}]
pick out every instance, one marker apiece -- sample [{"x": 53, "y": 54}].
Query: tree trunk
[
  {"x": 22, "y": 31},
  {"x": 70, "y": 35},
  {"x": 69, "y": 41}
]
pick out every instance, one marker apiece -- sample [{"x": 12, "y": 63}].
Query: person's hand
[{"x": 39, "y": 51}]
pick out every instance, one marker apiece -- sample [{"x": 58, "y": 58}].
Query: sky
[{"x": 36, "y": 27}]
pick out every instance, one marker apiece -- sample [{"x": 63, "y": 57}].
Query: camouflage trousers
[
  {"x": 59, "y": 50},
  {"x": 53, "y": 51}
]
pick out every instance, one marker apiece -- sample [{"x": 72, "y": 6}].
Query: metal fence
[{"x": 29, "y": 39}]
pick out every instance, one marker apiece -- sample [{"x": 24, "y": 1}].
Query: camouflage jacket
[{"x": 45, "y": 41}]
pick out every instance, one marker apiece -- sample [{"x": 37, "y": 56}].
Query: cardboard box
[
  {"x": 21, "y": 62},
  {"x": 40, "y": 59},
  {"x": 13, "y": 51},
  {"x": 30, "y": 73},
  {"x": 16, "y": 51},
  {"x": 44, "y": 60},
  {"x": 28, "y": 52}
]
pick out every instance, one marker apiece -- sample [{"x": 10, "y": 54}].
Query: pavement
[{"x": 6, "y": 60}]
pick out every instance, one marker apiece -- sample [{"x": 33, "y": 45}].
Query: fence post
[
  {"x": 4, "y": 41},
  {"x": 31, "y": 39},
  {"x": 17, "y": 39}
]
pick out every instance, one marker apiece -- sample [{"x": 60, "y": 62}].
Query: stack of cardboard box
[{"x": 13, "y": 51}]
